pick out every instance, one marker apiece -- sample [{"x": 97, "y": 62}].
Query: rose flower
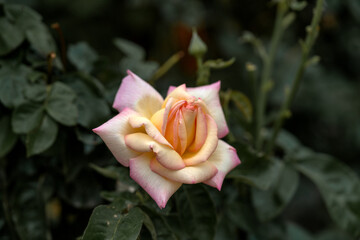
[{"x": 166, "y": 143}]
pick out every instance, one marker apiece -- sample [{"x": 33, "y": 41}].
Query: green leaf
[
  {"x": 161, "y": 224},
  {"x": 107, "y": 222},
  {"x": 144, "y": 69},
  {"x": 7, "y": 137},
  {"x": 61, "y": 104},
  {"x": 28, "y": 210},
  {"x": 41, "y": 138},
  {"x": 12, "y": 84},
  {"x": 288, "y": 142},
  {"x": 119, "y": 195},
  {"x": 93, "y": 110},
  {"x": 219, "y": 63},
  {"x": 256, "y": 171},
  {"x": 40, "y": 39},
  {"x": 27, "y": 117},
  {"x": 268, "y": 204},
  {"x": 109, "y": 172},
  {"x": 10, "y": 37},
  {"x": 130, "y": 226},
  {"x": 242, "y": 214},
  {"x": 148, "y": 223},
  {"x": 92, "y": 83},
  {"x": 297, "y": 6},
  {"x": 242, "y": 103},
  {"x": 333, "y": 234},
  {"x": 103, "y": 222},
  {"x": 313, "y": 61},
  {"x": 295, "y": 232},
  {"x": 117, "y": 173},
  {"x": 288, "y": 19},
  {"x": 130, "y": 49},
  {"x": 339, "y": 187},
  {"x": 82, "y": 56},
  {"x": 22, "y": 16},
  {"x": 196, "y": 211},
  {"x": 36, "y": 92}
]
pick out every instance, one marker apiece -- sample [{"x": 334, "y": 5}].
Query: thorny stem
[
  {"x": 311, "y": 36},
  {"x": 50, "y": 63},
  {"x": 266, "y": 73},
  {"x": 56, "y": 26},
  {"x": 5, "y": 200}
]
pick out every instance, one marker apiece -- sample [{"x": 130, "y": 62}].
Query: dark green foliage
[
  {"x": 12, "y": 39},
  {"x": 42, "y": 137},
  {"x": 135, "y": 59},
  {"x": 338, "y": 185},
  {"x": 82, "y": 56},
  {"x": 197, "y": 215},
  {"x": 60, "y": 104},
  {"x": 258, "y": 172},
  {"x": 13, "y": 83},
  {"x": 7, "y": 136},
  {"x": 269, "y": 203},
  {"x": 27, "y": 117}
]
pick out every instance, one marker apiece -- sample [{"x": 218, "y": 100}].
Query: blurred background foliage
[{"x": 92, "y": 37}]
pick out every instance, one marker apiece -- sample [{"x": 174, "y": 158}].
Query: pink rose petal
[
  {"x": 210, "y": 95},
  {"x": 167, "y": 156},
  {"x": 209, "y": 146},
  {"x": 189, "y": 175},
  {"x": 224, "y": 159},
  {"x": 158, "y": 187},
  {"x": 113, "y": 132},
  {"x": 138, "y": 95}
]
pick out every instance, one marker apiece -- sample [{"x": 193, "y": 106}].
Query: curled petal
[
  {"x": 158, "y": 118},
  {"x": 210, "y": 95},
  {"x": 171, "y": 88},
  {"x": 178, "y": 93},
  {"x": 150, "y": 128},
  {"x": 138, "y": 95},
  {"x": 113, "y": 132},
  {"x": 200, "y": 132},
  {"x": 171, "y": 101},
  {"x": 182, "y": 134},
  {"x": 168, "y": 157},
  {"x": 207, "y": 148},
  {"x": 225, "y": 159},
  {"x": 189, "y": 175},
  {"x": 158, "y": 187},
  {"x": 190, "y": 124}
]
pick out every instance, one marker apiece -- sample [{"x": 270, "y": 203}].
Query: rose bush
[{"x": 169, "y": 142}]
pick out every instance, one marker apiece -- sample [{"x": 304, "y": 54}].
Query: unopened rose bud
[{"x": 197, "y": 47}]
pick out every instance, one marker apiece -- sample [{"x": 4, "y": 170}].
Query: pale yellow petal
[
  {"x": 208, "y": 147},
  {"x": 189, "y": 175},
  {"x": 150, "y": 129},
  {"x": 158, "y": 187},
  {"x": 168, "y": 157}
]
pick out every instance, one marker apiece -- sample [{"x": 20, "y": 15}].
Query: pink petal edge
[
  {"x": 132, "y": 90},
  {"x": 158, "y": 187},
  {"x": 210, "y": 95},
  {"x": 113, "y": 132},
  {"x": 225, "y": 158}
]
